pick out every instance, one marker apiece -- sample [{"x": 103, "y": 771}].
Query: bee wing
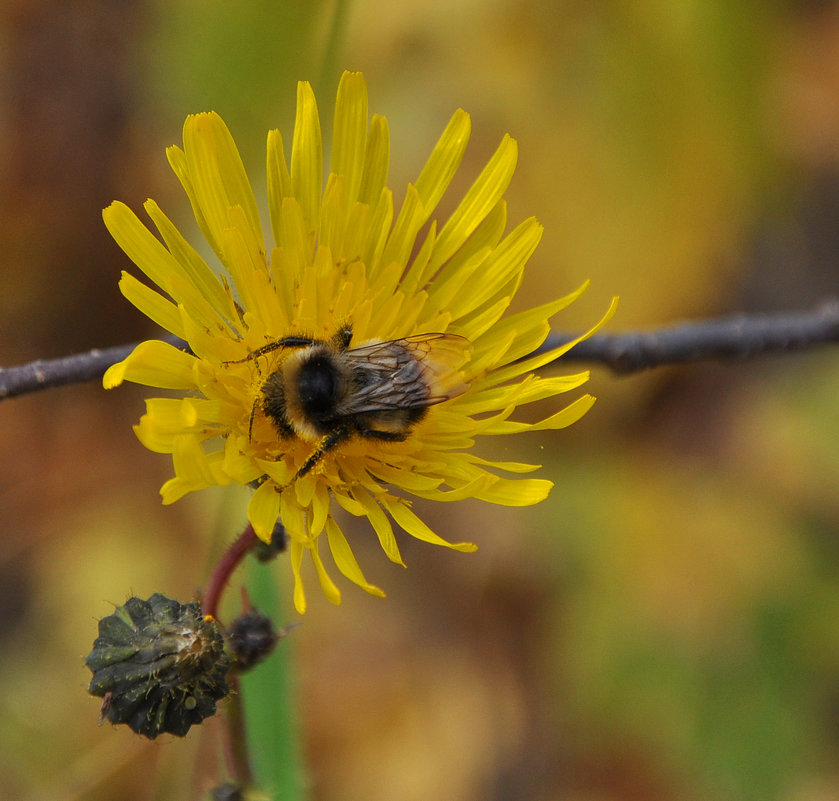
[{"x": 411, "y": 373}]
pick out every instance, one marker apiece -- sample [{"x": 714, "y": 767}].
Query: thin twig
[
  {"x": 48, "y": 373},
  {"x": 75, "y": 369},
  {"x": 739, "y": 337},
  {"x": 727, "y": 338}
]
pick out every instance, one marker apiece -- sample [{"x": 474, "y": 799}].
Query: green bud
[
  {"x": 159, "y": 665},
  {"x": 251, "y": 638}
]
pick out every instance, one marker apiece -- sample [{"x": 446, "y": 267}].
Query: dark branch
[
  {"x": 738, "y": 337},
  {"x": 48, "y": 373}
]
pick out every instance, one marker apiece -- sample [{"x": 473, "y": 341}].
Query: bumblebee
[{"x": 327, "y": 392}]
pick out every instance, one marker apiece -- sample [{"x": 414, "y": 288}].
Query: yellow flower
[{"x": 346, "y": 274}]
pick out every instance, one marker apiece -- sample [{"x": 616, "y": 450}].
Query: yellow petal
[
  {"x": 471, "y": 489},
  {"x": 416, "y": 275},
  {"x": 527, "y": 326},
  {"x": 295, "y": 550},
  {"x": 480, "y": 321},
  {"x": 516, "y": 492},
  {"x": 405, "y": 230},
  {"x": 307, "y": 156},
  {"x": 381, "y": 525},
  {"x": 409, "y": 480},
  {"x": 478, "y": 202},
  {"x": 237, "y": 465},
  {"x": 406, "y": 518},
  {"x": 350, "y": 132},
  {"x": 293, "y": 517},
  {"x": 157, "y": 432},
  {"x": 499, "y": 397},
  {"x": 140, "y": 245},
  {"x": 155, "y": 364},
  {"x": 250, "y": 275},
  {"x": 510, "y": 467},
  {"x": 319, "y": 508},
  {"x": 345, "y": 560},
  {"x": 152, "y": 304},
  {"x": 505, "y": 264},
  {"x": 350, "y": 505},
  {"x": 279, "y": 180},
  {"x": 377, "y": 239},
  {"x": 293, "y": 238},
  {"x": 263, "y": 510},
  {"x": 331, "y": 592},
  {"x": 484, "y": 238},
  {"x": 218, "y": 177},
  {"x": 535, "y": 362},
  {"x": 279, "y": 471},
  {"x": 199, "y": 273},
  {"x": 446, "y": 287},
  {"x": 563, "y": 418},
  {"x": 376, "y": 161},
  {"x": 441, "y": 166},
  {"x": 334, "y": 215},
  {"x": 192, "y": 469}
]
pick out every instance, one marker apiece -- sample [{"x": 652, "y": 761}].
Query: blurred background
[{"x": 666, "y": 625}]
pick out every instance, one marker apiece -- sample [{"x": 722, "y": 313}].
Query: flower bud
[
  {"x": 159, "y": 665},
  {"x": 251, "y": 638},
  {"x": 227, "y": 792},
  {"x": 268, "y": 551}
]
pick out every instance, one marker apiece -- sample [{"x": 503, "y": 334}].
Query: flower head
[
  {"x": 160, "y": 666},
  {"x": 353, "y": 363}
]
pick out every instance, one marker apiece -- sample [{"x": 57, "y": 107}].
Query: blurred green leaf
[{"x": 269, "y": 693}]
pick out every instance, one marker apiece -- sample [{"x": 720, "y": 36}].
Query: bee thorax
[{"x": 314, "y": 383}]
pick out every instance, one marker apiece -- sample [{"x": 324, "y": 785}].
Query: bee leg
[
  {"x": 331, "y": 440},
  {"x": 250, "y": 424},
  {"x": 342, "y": 337},
  {"x": 284, "y": 342},
  {"x": 384, "y": 436}
]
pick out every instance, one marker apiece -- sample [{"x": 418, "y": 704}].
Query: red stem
[
  {"x": 224, "y": 569},
  {"x": 237, "y": 745}
]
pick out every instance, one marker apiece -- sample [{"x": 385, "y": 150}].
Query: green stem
[{"x": 268, "y": 692}]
